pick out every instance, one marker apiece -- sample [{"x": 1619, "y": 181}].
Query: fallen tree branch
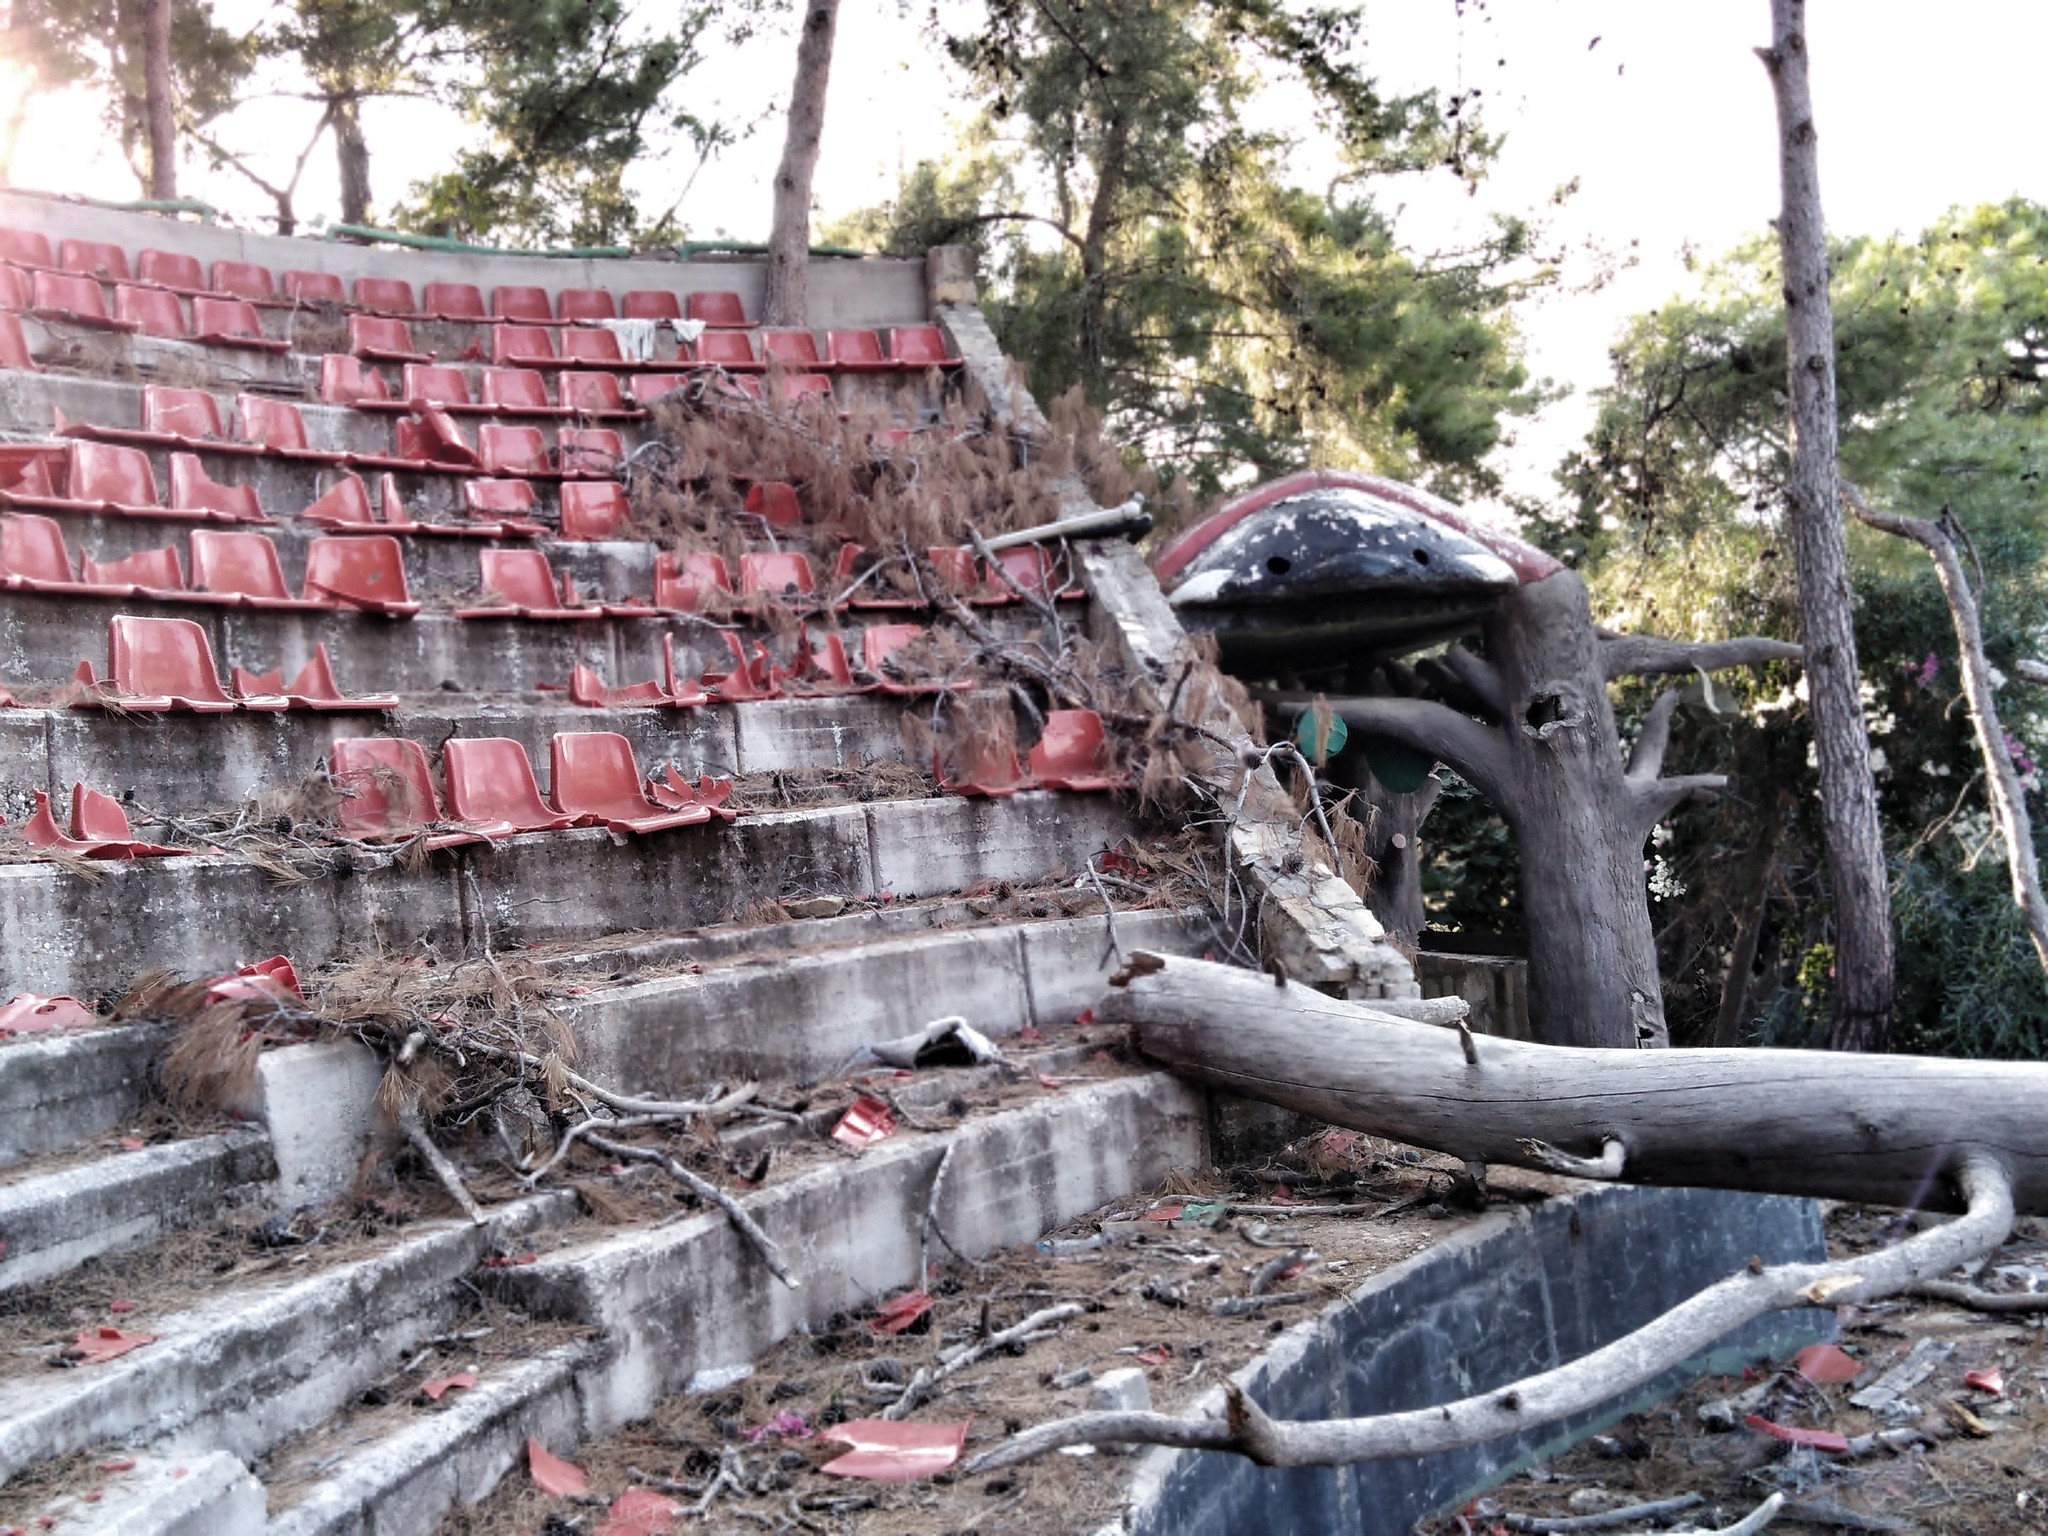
[
  {"x": 1602, "y": 1520},
  {"x": 451, "y": 1178},
  {"x": 705, "y": 1190},
  {"x": 1648, "y": 655},
  {"x": 924, "y": 1383},
  {"x": 1976, "y": 1300},
  {"x": 1554, "y": 1395}
]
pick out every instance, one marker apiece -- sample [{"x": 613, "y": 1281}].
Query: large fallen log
[{"x": 1891, "y": 1130}]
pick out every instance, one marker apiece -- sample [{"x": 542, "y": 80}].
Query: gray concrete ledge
[{"x": 61, "y": 1089}]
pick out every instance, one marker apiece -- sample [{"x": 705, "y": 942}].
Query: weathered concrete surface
[
  {"x": 1518, "y": 1293},
  {"x": 51, "y": 1223},
  {"x": 694, "y": 1295},
  {"x": 213, "y": 1495},
  {"x": 319, "y": 1103},
  {"x": 60, "y": 1089},
  {"x": 258, "y": 1364},
  {"x": 1495, "y": 986}
]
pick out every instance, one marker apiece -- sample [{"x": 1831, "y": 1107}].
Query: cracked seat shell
[
  {"x": 491, "y": 787},
  {"x": 595, "y": 780},
  {"x": 364, "y": 571}
]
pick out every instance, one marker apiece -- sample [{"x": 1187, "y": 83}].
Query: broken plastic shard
[
  {"x": 888, "y": 1452},
  {"x": 898, "y": 1314},
  {"x": 786, "y": 1425},
  {"x": 866, "y": 1121},
  {"x": 433, "y": 1390},
  {"x": 97, "y": 1345},
  {"x": 1818, "y": 1439},
  {"x": 26, "y": 1013},
  {"x": 553, "y": 1475},
  {"x": 640, "y": 1512},
  {"x": 1826, "y": 1364},
  {"x": 1992, "y": 1381}
]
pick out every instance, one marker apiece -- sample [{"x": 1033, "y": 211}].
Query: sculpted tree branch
[
  {"x": 1649, "y": 655},
  {"x": 1468, "y": 746}
]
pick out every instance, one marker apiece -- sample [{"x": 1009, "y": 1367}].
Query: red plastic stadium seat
[
  {"x": 67, "y": 296},
  {"x": 149, "y": 572},
  {"x": 150, "y": 311},
  {"x": 193, "y": 490},
  {"x": 345, "y": 381},
  {"x": 781, "y": 574},
  {"x": 855, "y": 352},
  {"x": 520, "y": 584},
  {"x": 977, "y": 765},
  {"x": 385, "y": 295},
  {"x": 275, "y": 425},
  {"x": 652, "y": 304},
  {"x": 29, "y": 247},
  {"x": 1074, "y": 753},
  {"x": 315, "y": 288},
  {"x": 241, "y": 565},
  {"x": 793, "y": 389},
  {"x": 792, "y": 349},
  {"x": 344, "y": 504},
  {"x": 754, "y": 674},
  {"x": 491, "y": 787},
  {"x": 862, "y": 575},
  {"x": 359, "y": 571},
  {"x": 774, "y": 500},
  {"x": 99, "y": 830},
  {"x": 244, "y": 279},
  {"x": 453, "y": 301},
  {"x": 683, "y": 582},
  {"x": 159, "y": 664},
  {"x": 718, "y": 309},
  {"x": 171, "y": 269},
  {"x": 390, "y": 790},
  {"x": 180, "y": 413},
  {"x": 34, "y": 556},
  {"x": 590, "y": 394},
  {"x": 436, "y": 384},
  {"x": 14, "y": 352},
  {"x": 594, "y": 509},
  {"x": 1030, "y": 566},
  {"x": 956, "y": 566},
  {"x": 95, "y": 258},
  {"x": 383, "y": 339},
  {"x": 588, "y": 450},
  {"x": 650, "y": 387},
  {"x": 232, "y": 323},
  {"x": 517, "y": 391},
  {"x": 506, "y": 450},
  {"x": 884, "y": 641},
  {"x": 15, "y": 289},
  {"x": 524, "y": 305},
  {"x": 519, "y": 345},
  {"x": 485, "y": 497},
  {"x": 587, "y": 690},
  {"x": 584, "y": 344},
  {"x": 824, "y": 668},
  {"x": 313, "y": 688},
  {"x": 587, "y": 304},
  {"x": 920, "y": 346},
  {"x": 120, "y": 479},
  {"x": 595, "y": 781},
  {"x": 726, "y": 349},
  {"x": 431, "y": 437}
]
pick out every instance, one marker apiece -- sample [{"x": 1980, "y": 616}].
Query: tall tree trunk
[
  {"x": 1861, "y": 1006},
  {"x": 352, "y": 157},
  {"x": 1749, "y": 932},
  {"x": 1110, "y": 173},
  {"x": 789, "y": 240},
  {"x": 157, "y": 100}
]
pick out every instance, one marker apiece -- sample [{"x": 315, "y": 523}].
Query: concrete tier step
[
  {"x": 205, "y": 914},
  {"x": 177, "y": 763},
  {"x": 59, "y": 1090}
]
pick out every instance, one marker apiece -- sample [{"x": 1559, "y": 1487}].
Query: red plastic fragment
[
  {"x": 121, "y": 1305},
  {"x": 266, "y": 981},
  {"x": 1826, "y": 1365},
  {"x": 866, "y": 1121},
  {"x": 1992, "y": 1381},
  {"x": 899, "y": 1313},
  {"x": 1158, "y": 1354},
  {"x": 1818, "y": 1439},
  {"x": 1170, "y": 1211},
  {"x": 28, "y": 1013},
  {"x": 433, "y": 1390},
  {"x": 887, "y": 1452},
  {"x": 118, "y": 1464},
  {"x": 509, "y": 1260},
  {"x": 640, "y": 1512},
  {"x": 553, "y": 1475},
  {"x": 94, "y": 1346}
]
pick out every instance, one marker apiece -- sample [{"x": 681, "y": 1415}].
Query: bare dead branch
[
  {"x": 451, "y": 1178},
  {"x": 1958, "y": 1294},
  {"x": 1457, "y": 739},
  {"x": 705, "y": 1190},
  {"x": 1601, "y": 1520},
  {"x": 1607, "y": 1165},
  {"x": 924, "y": 1384},
  {"x": 1648, "y": 655},
  {"x": 1646, "y": 757}
]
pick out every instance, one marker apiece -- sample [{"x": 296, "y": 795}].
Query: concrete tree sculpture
[{"x": 1524, "y": 715}]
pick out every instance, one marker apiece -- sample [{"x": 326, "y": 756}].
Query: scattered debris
[
  {"x": 433, "y": 1390},
  {"x": 553, "y": 1475},
  {"x": 890, "y": 1452},
  {"x": 948, "y": 1042},
  {"x": 866, "y": 1121},
  {"x": 96, "y": 1346}
]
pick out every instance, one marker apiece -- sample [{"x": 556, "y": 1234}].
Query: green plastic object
[
  {"x": 1320, "y": 751},
  {"x": 1399, "y": 768}
]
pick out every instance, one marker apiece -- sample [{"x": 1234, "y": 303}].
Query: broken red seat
[
  {"x": 189, "y": 416},
  {"x": 590, "y": 394},
  {"x": 99, "y": 829},
  {"x": 882, "y": 642},
  {"x": 1032, "y": 567},
  {"x": 242, "y": 568},
  {"x": 730, "y": 350},
  {"x": 171, "y": 269},
  {"x": 453, "y": 301},
  {"x": 792, "y": 389},
  {"x": 856, "y": 352},
  {"x": 97, "y": 477},
  {"x": 30, "y": 1013},
  {"x": 595, "y": 781},
  {"x": 383, "y": 339},
  {"x": 430, "y": 437},
  {"x": 858, "y": 572},
  {"x": 271, "y": 981},
  {"x": 14, "y": 352},
  {"x": 682, "y": 583},
  {"x": 586, "y": 304},
  {"x": 314, "y": 288},
  {"x": 652, "y": 304},
  {"x": 978, "y": 766},
  {"x": 232, "y": 323},
  {"x": 519, "y": 346},
  {"x": 277, "y": 427},
  {"x": 650, "y": 387},
  {"x": 438, "y": 384},
  {"x": 791, "y": 349},
  {"x": 1074, "y": 753},
  {"x": 780, "y": 575},
  {"x": 585, "y": 344},
  {"x": 520, "y": 584},
  {"x": 94, "y": 258},
  {"x": 389, "y": 790},
  {"x": 15, "y": 289},
  {"x": 718, "y": 309},
  {"x": 522, "y": 304},
  {"x": 594, "y": 509},
  {"x": 824, "y": 668},
  {"x": 587, "y": 690},
  {"x": 518, "y": 392},
  {"x": 35, "y": 558},
  {"x": 313, "y": 688},
  {"x": 683, "y": 692},
  {"x": 753, "y": 676},
  {"x": 196, "y": 493},
  {"x": 156, "y": 665},
  {"x": 671, "y": 789},
  {"x": 491, "y": 788},
  {"x": 152, "y": 573},
  {"x": 26, "y": 247},
  {"x": 958, "y": 567},
  {"x": 775, "y": 501},
  {"x": 483, "y": 497},
  {"x": 386, "y": 296},
  {"x": 588, "y": 451},
  {"x": 150, "y": 312},
  {"x": 244, "y": 280},
  {"x": 510, "y": 450},
  {"x": 65, "y": 296},
  {"x": 365, "y": 571},
  {"x": 345, "y": 381},
  {"x": 344, "y": 504},
  {"x": 921, "y": 346}
]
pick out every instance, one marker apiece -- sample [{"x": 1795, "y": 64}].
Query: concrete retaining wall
[{"x": 1496, "y": 987}]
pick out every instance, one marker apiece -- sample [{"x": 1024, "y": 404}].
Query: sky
[{"x": 1660, "y": 112}]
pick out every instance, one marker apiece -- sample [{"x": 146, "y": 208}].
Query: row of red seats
[
  {"x": 692, "y": 582},
  {"x": 594, "y": 781},
  {"x": 384, "y": 339},
  {"x": 820, "y": 668},
  {"x": 175, "y": 270},
  {"x": 158, "y": 665},
  {"x": 63, "y": 296},
  {"x": 1073, "y": 752}
]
